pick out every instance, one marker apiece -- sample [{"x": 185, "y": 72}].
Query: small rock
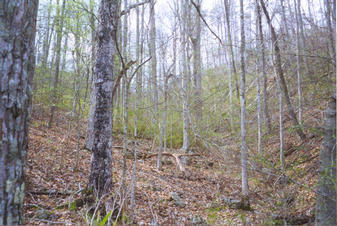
[
  {"x": 177, "y": 200},
  {"x": 44, "y": 214},
  {"x": 232, "y": 203},
  {"x": 197, "y": 220}
]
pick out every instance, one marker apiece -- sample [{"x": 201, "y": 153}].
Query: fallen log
[{"x": 176, "y": 157}]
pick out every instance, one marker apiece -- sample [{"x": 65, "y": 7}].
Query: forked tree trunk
[
  {"x": 17, "y": 64},
  {"x": 100, "y": 180},
  {"x": 326, "y": 193}
]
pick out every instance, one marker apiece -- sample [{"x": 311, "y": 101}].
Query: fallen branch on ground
[
  {"x": 50, "y": 192},
  {"x": 176, "y": 157}
]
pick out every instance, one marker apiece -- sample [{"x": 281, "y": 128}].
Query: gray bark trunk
[
  {"x": 244, "y": 178},
  {"x": 267, "y": 118},
  {"x": 185, "y": 80},
  {"x": 90, "y": 130},
  {"x": 59, "y": 32},
  {"x": 259, "y": 72},
  {"x": 100, "y": 180},
  {"x": 17, "y": 64},
  {"x": 298, "y": 63},
  {"x": 279, "y": 72},
  {"x": 326, "y": 192},
  {"x": 331, "y": 34},
  {"x": 197, "y": 66},
  {"x": 152, "y": 46},
  {"x": 230, "y": 43}
]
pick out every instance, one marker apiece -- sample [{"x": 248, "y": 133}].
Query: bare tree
[
  {"x": 244, "y": 176},
  {"x": 326, "y": 195},
  {"x": 279, "y": 72},
  {"x": 195, "y": 38},
  {"x": 17, "y": 64},
  {"x": 267, "y": 118},
  {"x": 298, "y": 64},
  {"x": 100, "y": 180},
  {"x": 152, "y": 47},
  {"x": 59, "y": 33}
]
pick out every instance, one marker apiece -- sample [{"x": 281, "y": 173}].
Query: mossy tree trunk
[{"x": 100, "y": 180}]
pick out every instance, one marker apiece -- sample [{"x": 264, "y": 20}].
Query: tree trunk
[
  {"x": 152, "y": 46},
  {"x": 197, "y": 66},
  {"x": 259, "y": 72},
  {"x": 244, "y": 178},
  {"x": 45, "y": 46},
  {"x": 279, "y": 72},
  {"x": 326, "y": 192},
  {"x": 185, "y": 80},
  {"x": 100, "y": 180},
  {"x": 59, "y": 32},
  {"x": 331, "y": 34},
  {"x": 17, "y": 64},
  {"x": 298, "y": 64},
  {"x": 230, "y": 43},
  {"x": 263, "y": 69},
  {"x": 90, "y": 130}
]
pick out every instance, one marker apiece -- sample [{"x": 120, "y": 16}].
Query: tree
[
  {"x": 197, "y": 65},
  {"x": 100, "y": 179},
  {"x": 244, "y": 179},
  {"x": 17, "y": 64},
  {"x": 326, "y": 192},
  {"x": 267, "y": 118},
  {"x": 59, "y": 34},
  {"x": 279, "y": 72},
  {"x": 298, "y": 64},
  {"x": 152, "y": 47},
  {"x": 231, "y": 62},
  {"x": 185, "y": 78}
]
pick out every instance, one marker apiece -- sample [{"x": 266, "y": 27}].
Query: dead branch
[
  {"x": 132, "y": 7},
  {"x": 50, "y": 192},
  {"x": 176, "y": 157},
  {"x": 121, "y": 74}
]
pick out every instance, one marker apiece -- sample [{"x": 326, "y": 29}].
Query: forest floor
[{"x": 207, "y": 182}]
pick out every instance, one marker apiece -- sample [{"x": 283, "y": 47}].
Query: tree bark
[
  {"x": 244, "y": 177},
  {"x": 185, "y": 79},
  {"x": 298, "y": 63},
  {"x": 279, "y": 72},
  {"x": 230, "y": 43},
  {"x": 263, "y": 69},
  {"x": 326, "y": 192},
  {"x": 259, "y": 72},
  {"x": 152, "y": 46},
  {"x": 17, "y": 64},
  {"x": 90, "y": 130},
  {"x": 100, "y": 180},
  {"x": 197, "y": 66},
  {"x": 331, "y": 34}
]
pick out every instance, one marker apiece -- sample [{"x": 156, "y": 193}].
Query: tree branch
[{"x": 126, "y": 11}]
